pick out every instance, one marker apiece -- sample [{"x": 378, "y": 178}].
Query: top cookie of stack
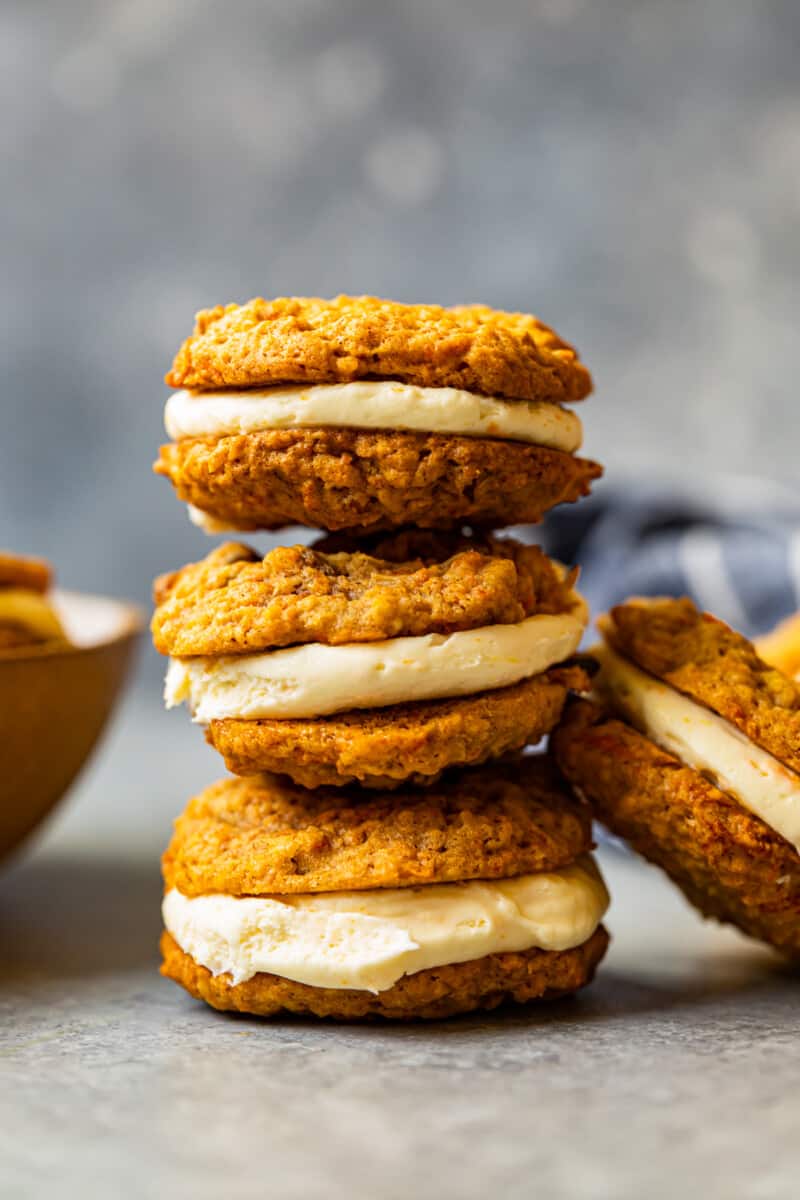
[{"x": 361, "y": 414}]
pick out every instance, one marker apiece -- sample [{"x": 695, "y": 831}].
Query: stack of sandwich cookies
[
  {"x": 334, "y": 667},
  {"x": 348, "y": 903},
  {"x": 362, "y": 414},
  {"x": 386, "y": 850},
  {"x": 27, "y": 616},
  {"x": 694, "y": 758}
]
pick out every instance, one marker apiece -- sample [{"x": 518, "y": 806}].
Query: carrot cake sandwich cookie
[
  {"x": 27, "y": 617},
  {"x": 362, "y": 414},
  {"x": 694, "y": 758},
  {"x": 337, "y": 665},
  {"x": 351, "y": 904}
]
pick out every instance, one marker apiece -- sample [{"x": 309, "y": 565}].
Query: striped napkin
[{"x": 732, "y": 544}]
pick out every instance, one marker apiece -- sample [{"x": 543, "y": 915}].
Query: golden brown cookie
[
  {"x": 411, "y": 743},
  {"x": 350, "y": 479},
  {"x": 725, "y": 860},
  {"x": 483, "y": 983},
  {"x": 264, "y": 835},
  {"x": 235, "y": 602},
  {"x": 309, "y": 340},
  {"x": 702, "y": 657},
  {"x": 18, "y": 571}
]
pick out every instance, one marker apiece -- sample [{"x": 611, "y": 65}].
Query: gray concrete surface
[{"x": 675, "y": 1075}]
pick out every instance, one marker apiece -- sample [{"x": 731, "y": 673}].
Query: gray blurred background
[{"x": 629, "y": 171}]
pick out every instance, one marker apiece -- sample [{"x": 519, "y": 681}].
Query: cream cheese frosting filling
[
  {"x": 371, "y": 404},
  {"x": 368, "y": 940},
  {"x": 206, "y": 522},
  {"x": 315, "y": 680},
  {"x": 703, "y": 741},
  {"x": 31, "y": 611}
]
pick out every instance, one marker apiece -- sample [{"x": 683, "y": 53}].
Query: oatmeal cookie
[
  {"x": 234, "y": 601},
  {"x": 411, "y": 743},
  {"x": 309, "y": 340},
  {"x": 265, "y": 836},
  {"x": 350, "y": 479}
]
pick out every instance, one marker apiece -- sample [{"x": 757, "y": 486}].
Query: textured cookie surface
[
  {"x": 727, "y": 862},
  {"x": 19, "y": 571},
  {"x": 234, "y": 601},
  {"x": 349, "y": 479},
  {"x": 264, "y": 835},
  {"x": 409, "y": 742},
  {"x": 708, "y": 661},
  {"x": 308, "y": 340},
  {"x": 483, "y": 983}
]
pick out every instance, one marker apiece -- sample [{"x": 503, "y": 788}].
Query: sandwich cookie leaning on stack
[
  {"x": 429, "y": 652},
  {"x": 363, "y": 414},
  {"x": 694, "y": 759},
  {"x": 350, "y": 903}
]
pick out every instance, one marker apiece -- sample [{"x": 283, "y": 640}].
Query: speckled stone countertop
[{"x": 676, "y": 1074}]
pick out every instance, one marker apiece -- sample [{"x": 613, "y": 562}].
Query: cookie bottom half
[
  {"x": 483, "y": 983},
  {"x": 339, "y": 479},
  {"x": 402, "y": 743}
]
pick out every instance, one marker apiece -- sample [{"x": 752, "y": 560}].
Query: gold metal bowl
[{"x": 54, "y": 702}]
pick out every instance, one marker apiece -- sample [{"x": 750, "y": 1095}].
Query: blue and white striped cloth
[{"x": 733, "y": 545}]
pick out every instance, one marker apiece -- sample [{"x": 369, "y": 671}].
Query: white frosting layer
[
  {"x": 206, "y": 522},
  {"x": 315, "y": 680},
  {"x": 704, "y": 741},
  {"x": 371, "y": 404},
  {"x": 368, "y": 940}
]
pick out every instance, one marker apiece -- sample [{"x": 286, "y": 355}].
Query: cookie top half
[
  {"x": 310, "y": 340},
  {"x": 706, "y": 660},
  {"x": 264, "y": 836},
  {"x": 235, "y": 601}
]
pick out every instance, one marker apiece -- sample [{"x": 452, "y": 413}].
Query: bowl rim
[{"x": 132, "y": 623}]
